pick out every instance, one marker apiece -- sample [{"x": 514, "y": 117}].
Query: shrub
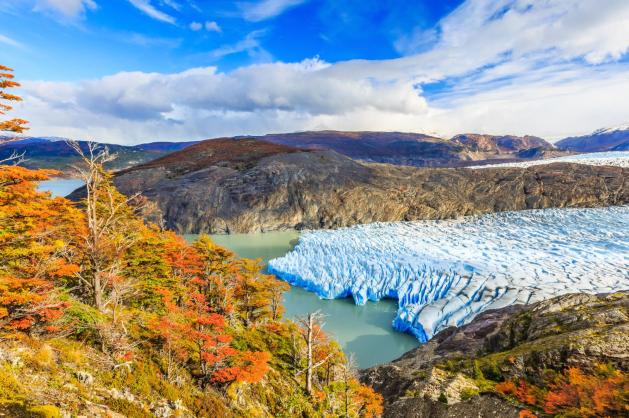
[{"x": 45, "y": 411}]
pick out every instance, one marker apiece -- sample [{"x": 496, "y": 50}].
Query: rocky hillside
[
  {"x": 418, "y": 149},
  {"x": 515, "y": 358},
  {"x": 606, "y": 139},
  {"x": 248, "y": 185}
]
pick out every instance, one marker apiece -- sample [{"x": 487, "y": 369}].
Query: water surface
[
  {"x": 60, "y": 187},
  {"x": 364, "y": 331}
]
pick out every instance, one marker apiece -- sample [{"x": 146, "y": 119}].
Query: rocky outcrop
[
  {"x": 441, "y": 377},
  {"x": 248, "y": 185},
  {"x": 501, "y": 144}
]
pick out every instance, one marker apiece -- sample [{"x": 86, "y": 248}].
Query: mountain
[
  {"x": 52, "y": 152},
  {"x": 165, "y": 146},
  {"x": 565, "y": 356},
  {"x": 248, "y": 185},
  {"x": 415, "y": 149},
  {"x": 501, "y": 144},
  {"x": 383, "y": 147},
  {"x": 606, "y": 139}
]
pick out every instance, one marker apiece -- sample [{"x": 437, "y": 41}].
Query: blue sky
[
  {"x": 137, "y": 70},
  {"x": 93, "y": 39}
]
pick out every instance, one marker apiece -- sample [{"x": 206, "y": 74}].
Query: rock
[
  {"x": 85, "y": 378},
  {"x": 246, "y": 185},
  {"x": 517, "y": 342}
]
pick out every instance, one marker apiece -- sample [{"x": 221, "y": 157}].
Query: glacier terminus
[{"x": 445, "y": 272}]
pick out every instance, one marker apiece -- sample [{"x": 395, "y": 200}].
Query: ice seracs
[{"x": 445, "y": 272}]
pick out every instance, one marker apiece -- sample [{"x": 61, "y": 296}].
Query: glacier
[
  {"x": 609, "y": 158},
  {"x": 443, "y": 273}
]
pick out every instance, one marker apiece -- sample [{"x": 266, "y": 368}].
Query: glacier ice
[
  {"x": 610, "y": 158},
  {"x": 444, "y": 273}
]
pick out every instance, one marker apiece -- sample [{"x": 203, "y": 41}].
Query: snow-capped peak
[{"x": 623, "y": 127}]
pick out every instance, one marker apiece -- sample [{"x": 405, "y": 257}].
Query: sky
[{"x": 132, "y": 71}]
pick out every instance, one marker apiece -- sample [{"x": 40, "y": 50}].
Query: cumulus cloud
[
  {"x": 212, "y": 26},
  {"x": 209, "y": 26},
  {"x": 550, "y": 68},
  {"x": 266, "y": 9},
  {"x": 66, "y": 8}
]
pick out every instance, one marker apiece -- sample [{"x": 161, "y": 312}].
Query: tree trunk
[
  {"x": 309, "y": 355},
  {"x": 98, "y": 293}
]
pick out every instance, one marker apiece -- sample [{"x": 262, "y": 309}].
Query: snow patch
[{"x": 444, "y": 273}]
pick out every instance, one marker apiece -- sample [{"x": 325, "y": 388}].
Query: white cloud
[
  {"x": 10, "y": 41},
  {"x": 147, "y": 8},
  {"x": 209, "y": 26},
  {"x": 548, "y": 68},
  {"x": 266, "y": 9},
  {"x": 250, "y": 44},
  {"x": 212, "y": 26},
  {"x": 66, "y": 8}
]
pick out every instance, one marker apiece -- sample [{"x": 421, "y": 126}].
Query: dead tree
[
  {"x": 312, "y": 332},
  {"x": 107, "y": 237}
]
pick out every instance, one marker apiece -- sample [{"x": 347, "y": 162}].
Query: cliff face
[
  {"x": 250, "y": 186},
  {"x": 461, "y": 366}
]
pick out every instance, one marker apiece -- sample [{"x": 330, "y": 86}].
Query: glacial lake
[{"x": 364, "y": 331}]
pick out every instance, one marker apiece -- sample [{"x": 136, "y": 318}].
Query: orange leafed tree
[
  {"x": 7, "y": 82},
  {"x": 35, "y": 250},
  {"x": 574, "y": 392}
]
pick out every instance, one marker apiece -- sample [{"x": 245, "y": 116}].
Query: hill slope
[
  {"x": 246, "y": 185},
  {"x": 472, "y": 368},
  {"x": 607, "y": 139},
  {"x": 416, "y": 149}
]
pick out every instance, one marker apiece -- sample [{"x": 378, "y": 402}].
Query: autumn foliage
[
  {"x": 36, "y": 252},
  {"x": 95, "y": 272},
  {"x": 7, "y": 82},
  {"x": 574, "y": 392}
]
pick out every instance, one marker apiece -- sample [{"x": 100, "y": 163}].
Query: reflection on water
[{"x": 363, "y": 330}]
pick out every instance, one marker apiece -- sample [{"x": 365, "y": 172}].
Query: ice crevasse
[{"x": 444, "y": 273}]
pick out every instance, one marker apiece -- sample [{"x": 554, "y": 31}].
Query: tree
[
  {"x": 313, "y": 335},
  {"x": 112, "y": 229},
  {"x": 37, "y": 238},
  {"x": 7, "y": 82}
]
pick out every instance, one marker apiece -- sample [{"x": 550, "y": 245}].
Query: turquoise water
[{"x": 364, "y": 331}]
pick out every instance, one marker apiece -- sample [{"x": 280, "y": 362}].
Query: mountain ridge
[{"x": 314, "y": 189}]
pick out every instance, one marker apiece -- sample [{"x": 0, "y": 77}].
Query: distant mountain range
[
  {"x": 606, "y": 139},
  {"x": 53, "y": 152},
  {"x": 383, "y": 147}
]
